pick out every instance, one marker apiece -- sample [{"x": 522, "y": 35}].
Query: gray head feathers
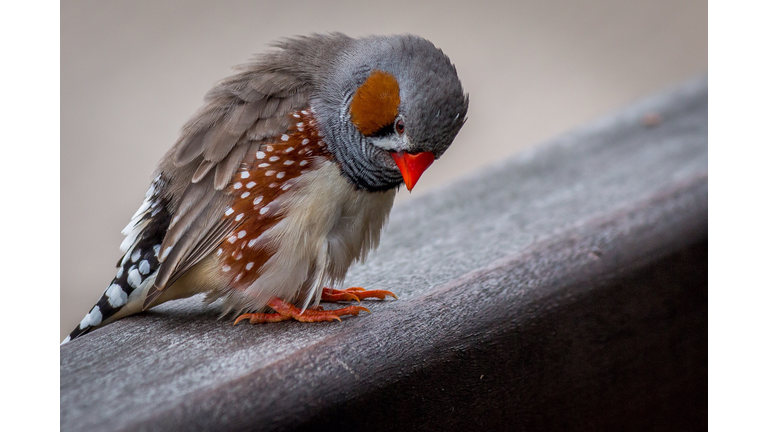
[{"x": 433, "y": 104}]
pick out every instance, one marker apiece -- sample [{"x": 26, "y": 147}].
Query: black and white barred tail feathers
[{"x": 139, "y": 264}]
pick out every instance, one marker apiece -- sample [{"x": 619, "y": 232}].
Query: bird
[{"x": 285, "y": 177}]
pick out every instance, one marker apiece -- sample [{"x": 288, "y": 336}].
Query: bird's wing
[{"x": 239, "y": 115}]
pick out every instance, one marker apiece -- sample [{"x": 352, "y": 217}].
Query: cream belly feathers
[{"x": 328, "y": 225}]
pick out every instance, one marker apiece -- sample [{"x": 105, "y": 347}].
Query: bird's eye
[{"x": 400, "y": 126}]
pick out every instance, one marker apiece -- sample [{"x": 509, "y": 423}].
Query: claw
[
  {"x": 285, "y": 311},
  {"x": 257, "y": 318},
  {"x": 338, "y": 295},
  {"x": 354, "y": 293}
]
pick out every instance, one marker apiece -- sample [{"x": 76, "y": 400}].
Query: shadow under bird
[{"x": 285, "y": 177}]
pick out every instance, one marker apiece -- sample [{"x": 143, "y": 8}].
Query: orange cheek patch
[{"x": 375, "y": 103}]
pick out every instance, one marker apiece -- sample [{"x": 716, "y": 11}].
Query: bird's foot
[
  {"x": 285, "y": 311},
  {"x": 354, "y": 293}
]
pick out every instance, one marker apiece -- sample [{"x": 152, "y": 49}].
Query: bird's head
[{"x": 390, "y": 107}]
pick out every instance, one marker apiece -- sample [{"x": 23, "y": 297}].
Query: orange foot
[
  {"x": 285, "y": 311},
  {"x": 354, "y": 293}
]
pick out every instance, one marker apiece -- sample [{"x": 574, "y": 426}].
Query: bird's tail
[
  {"x": 125, "y": 295},
  {"x": 137, "y": 269}
]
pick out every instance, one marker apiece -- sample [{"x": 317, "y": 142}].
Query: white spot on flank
[
  {"x": 269, "y": 173},
  {"x": 245, "y": 195},
  {"x": 263, "y": 165},
  {"x": 305, "y": 141},
  {"x": 296, "y": 115},
  {"x": 304, "y": 112},
  {"x": 264, "y": 210},
  {"x": 237, "y": 185},
  {"x": 273, "y": 158},
  {"x": 239, "y": 255},
  {"x": 219, "y": 252},
  {"x": 270, "y": 148},
  {"x": 232, "y": 239},
  {"x": 136, "y": 255},
  {"x": 116, "y": 296},
  {"x": 302, "y": 163},
  {"x": 260, "y": 155},
  {"x": 250, "y": 185},
  {"x": 241, "y": 234},
  {"x": 300, "y": 124},
  {"x": 229, "y": 211},
  {"x": 144, "y": 267},
  {"x": 245, "y": 174},
  {"x": 280, "y": 175},
  {"x": 288, "y": 162},
  {"x": 238, "y": 277},
  {"x": 284, "y": 137},
  {"x": 251, "y": 243},
  {"x": 92, "y": 319},
  {"x": 289, "y": 149},
  {"x": 226, "y": 268},
  {"x": 134, "y": 278},
  {"x": 273, "y": 185},
  {"x": 249, "y": 266},
  {"x": 238, "y": 217},
  {"x": 257, "y": 200}
]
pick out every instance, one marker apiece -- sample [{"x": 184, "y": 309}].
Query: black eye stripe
[{"x": 384, "y": 131}]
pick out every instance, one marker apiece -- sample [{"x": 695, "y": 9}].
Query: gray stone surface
[{"x": 564, "y": 288}]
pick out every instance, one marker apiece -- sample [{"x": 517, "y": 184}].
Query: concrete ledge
[{"x": 563, "y": 289}]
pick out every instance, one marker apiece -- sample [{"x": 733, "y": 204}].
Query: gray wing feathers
[
  {"x": 243, "y": 116},
  {"x": 202, "y": 170},
  {"x": 187, "y": 250},
  {"x": 227, "y": 167},
  {"x": 196, "y": 198},
  {"x": 218, "y": 142},
  {"x": 239, "y": 113},
  {"x": 188, "y": 149}
]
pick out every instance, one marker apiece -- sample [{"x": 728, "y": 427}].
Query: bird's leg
[
  {"x": 354, "y": 293},
  {"x": 285, "y": 311}
]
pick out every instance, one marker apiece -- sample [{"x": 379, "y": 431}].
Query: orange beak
[{"x": 412, "y": 166}]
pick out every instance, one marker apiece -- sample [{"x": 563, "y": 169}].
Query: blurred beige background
[{"x": 131, "y": 75}]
